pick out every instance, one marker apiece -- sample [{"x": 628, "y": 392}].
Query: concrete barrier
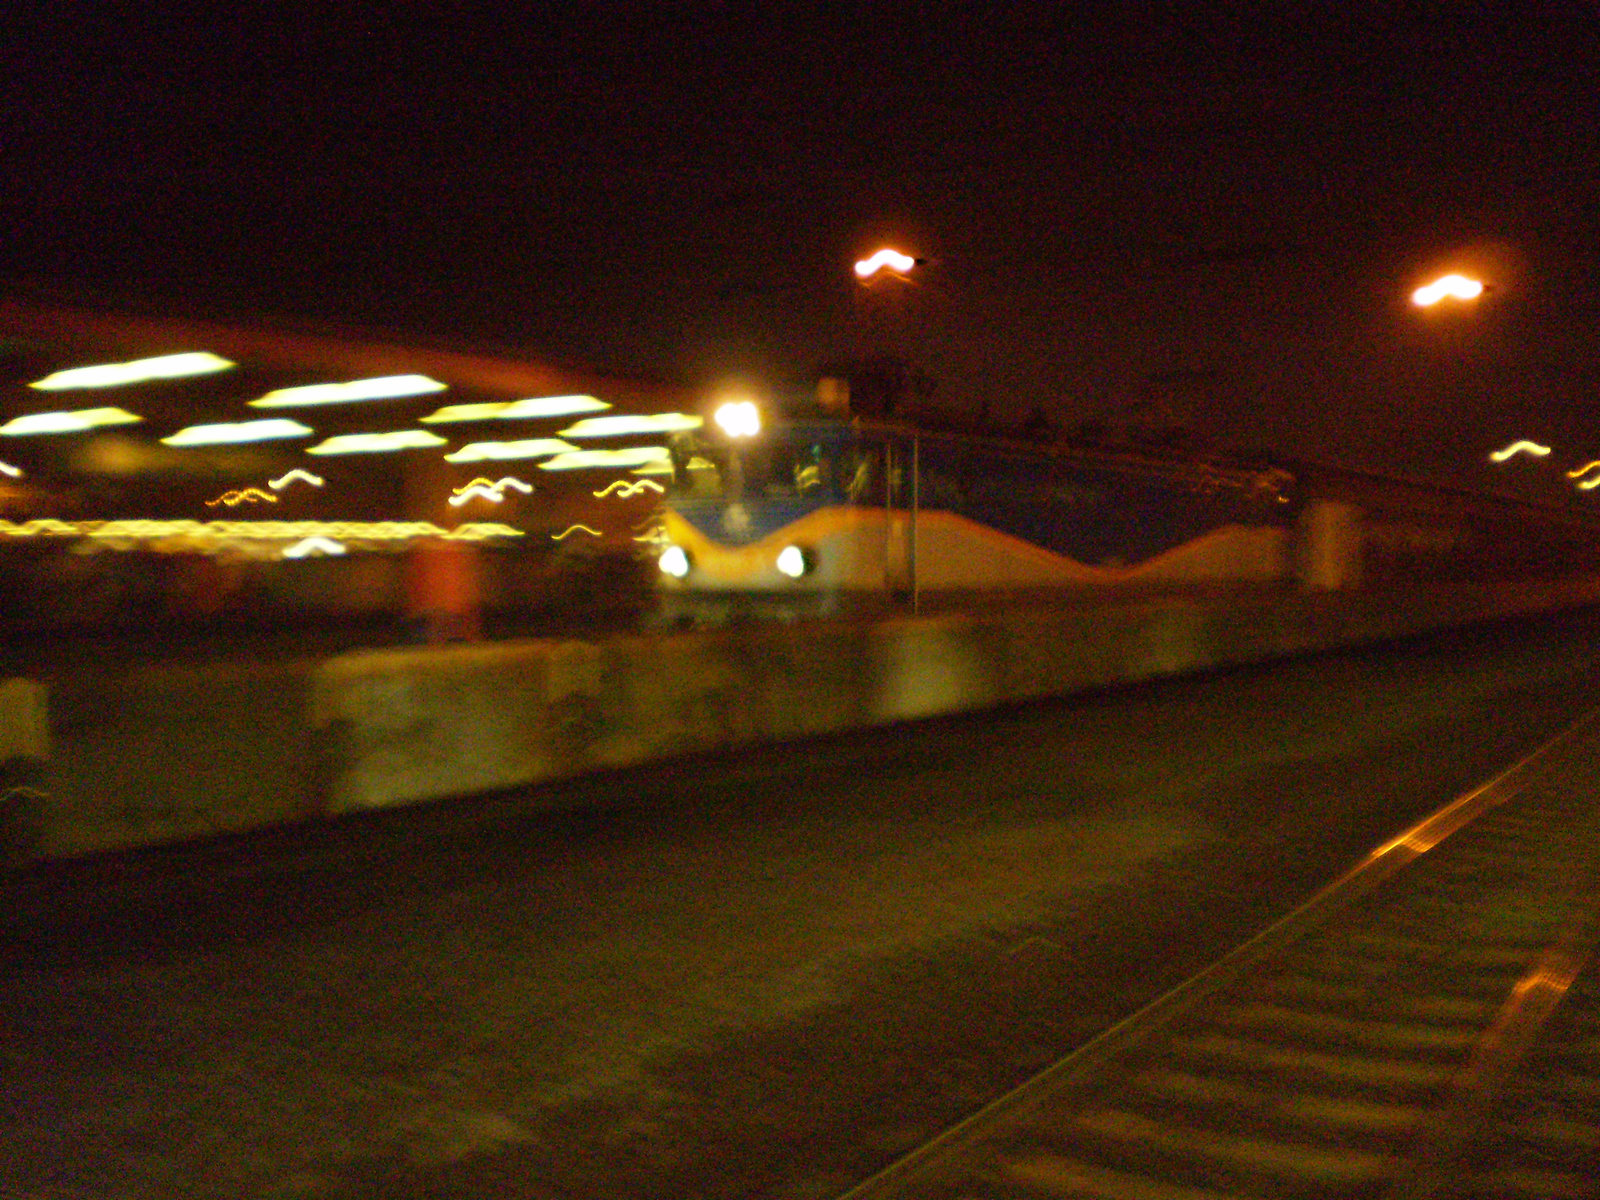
[
  {"x": 173, "y": 753},
  {"x": 24, "y": 762}
]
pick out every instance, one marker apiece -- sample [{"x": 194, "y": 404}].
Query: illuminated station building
[{"x": 225, "y": 455}]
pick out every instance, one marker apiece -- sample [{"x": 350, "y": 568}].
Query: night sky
[{"x": 1216, "y": 207}]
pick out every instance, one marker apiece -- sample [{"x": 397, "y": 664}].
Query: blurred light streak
[
  {"x": 625, "y": 426},
  {"x": 8, "y": 469},
  {"x": 68, "y": 422},
  {"x": 377, "y": 443},
  {"x": 242, "y": 496},
  {"x": 166, "y": 366},
  {"x": 307, "y": 547},
  {"x": 1588, "y": 485},
  {"x": 1458, "y": 287},
  {"x": 382, "y": 531},
  {"x": 503, "y": 451},
  {"x": 739, "y": 418},
  {"x": 579, "y": 459},
  {"x": 383, "y": 387},
  {"x": 518, "y": 410},
  {"x": 893, "y": 260},
  {"x": 488, "y": 493},
  {"x": 1585, "y": 469},
  {"x": 570, "y": 529},
  {"x": 242, "y": 431},
  {"x": 498, "y": 485},
  {"x": 39, "y": 528},
  {"x": 623, "y": 489},
  {"x": 482, "y": 531},
  {"x": 1522, "y": 446},
  {"x": 284, "y": 481}
]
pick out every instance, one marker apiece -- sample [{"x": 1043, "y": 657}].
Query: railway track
[{"x": 1423, "y": 1027}]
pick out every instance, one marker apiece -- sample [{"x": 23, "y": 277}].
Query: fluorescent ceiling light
[
  {"x": 497, "y": 485},
  {"x": 383, "y": 388},
  {"x": 488, "y": 493},
  {"x": 68, "y": 422},
  {"x": 638, "y": 456},
  {"x": 518, "y": 410},
  {"x": 377, "y": 443},
  {"x": 316, "y": 545},
  {"x": 284, "y": 481},
  {"x": 243, "y": 431},
  {"x": 167, "y": 366},
  {"x": 500, "y": 451},
  {"x": 624, "y": 425}
]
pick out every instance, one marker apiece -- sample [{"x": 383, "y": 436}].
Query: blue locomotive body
[{"x": 837, "y": 509}]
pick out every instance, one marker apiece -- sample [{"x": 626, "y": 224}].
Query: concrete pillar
[{"x": 1329, "y": 546}]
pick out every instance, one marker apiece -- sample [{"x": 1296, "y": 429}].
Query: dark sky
[{"x": 1224, "y": 204}]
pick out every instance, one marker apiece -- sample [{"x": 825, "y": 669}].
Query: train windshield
[{"x": 824, "y": 464}]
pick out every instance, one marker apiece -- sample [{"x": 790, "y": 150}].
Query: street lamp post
[{"x": 891, "y": 263}]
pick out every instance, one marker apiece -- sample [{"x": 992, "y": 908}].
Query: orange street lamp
[
  {"x": 1456, "y": 287},
  {"x": 886, "y": 260}
]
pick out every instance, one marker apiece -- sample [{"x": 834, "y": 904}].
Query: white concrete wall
[{"x": 165, "y": 754}]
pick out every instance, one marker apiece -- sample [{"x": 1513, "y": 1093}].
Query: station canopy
[{"x": 111, "y": 416}]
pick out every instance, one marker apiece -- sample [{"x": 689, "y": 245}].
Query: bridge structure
[{"x": 299, "y": 475}]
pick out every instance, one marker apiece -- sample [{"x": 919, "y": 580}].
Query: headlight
[
  {"x": 795, "y": 561},
  {"x": 674, "y": 561}
]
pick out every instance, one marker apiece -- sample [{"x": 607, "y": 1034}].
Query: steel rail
[{"x": 1083, "y": 1063}]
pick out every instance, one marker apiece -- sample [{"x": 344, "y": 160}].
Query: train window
[
  {"x": 813, "y": 471},
  {"x": 700, "y": 476},
  {"x": 773, "y": 468},
  {"x": 861, "y": 473}
]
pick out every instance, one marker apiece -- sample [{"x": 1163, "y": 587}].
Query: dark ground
[{"x": 754, "y": 975}]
